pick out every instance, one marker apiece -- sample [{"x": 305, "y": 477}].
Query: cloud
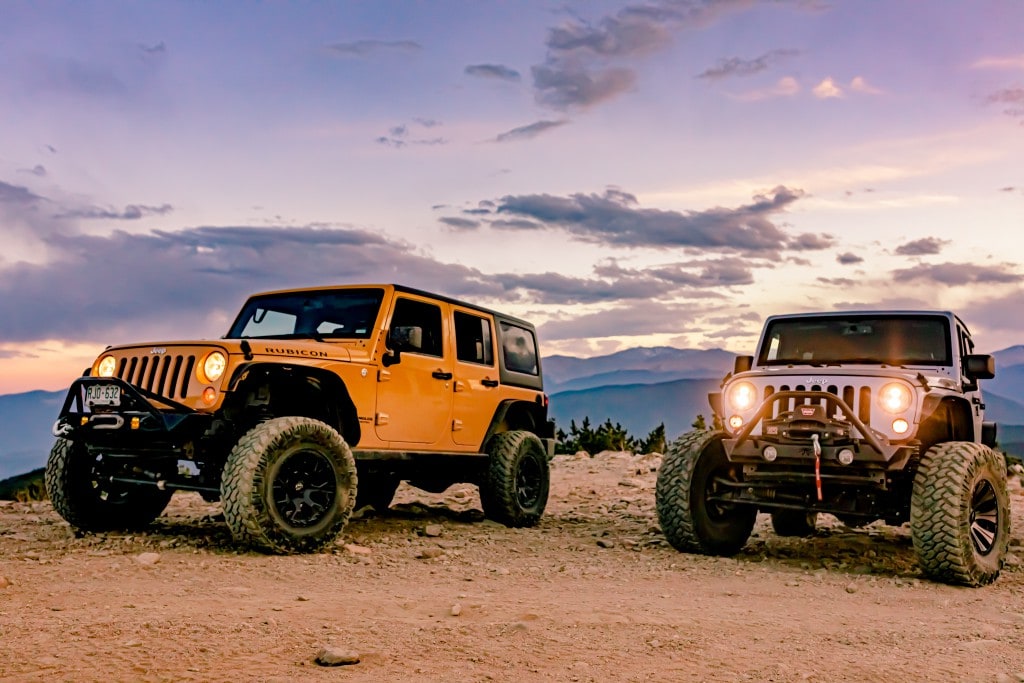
[
  {"x": 27, "y": 215},
  {"x": 784, "y": 87},
  {"x": 848, "y": 258},
  {"x": 496, "y": 71},
  {"x": 638, "y": 318},
  {"x": 1012, "y": 62},
  {"x": 844, "y": 282},
  {"x": 827, "y": 89},
  {"x": 17, "y": 195},
  {"x": 556, "y": 288},
  {"x": 127, "y": 287},
  {"x": 1000, "y": 313},
  {"x": 615, "y": 218},
  {"x": 736, "y": 66},
  {"x": 367, "y": 48},
  {"x": 859, "y": 84},
  {"x": 131, "y": 212},
  {"x": 922, "y": 247},
  {"x": 38, "y": 170},
  {"x": 462, "y": 224},
  {"x": 722, "y": 272},
  {"x": 565, "y": 87},
  {"x": 529, "y": 131},
  {"x": 189, "y": 283},
  {"x": 118, "y": 72},
  {"x": 402, "y": 135},
  {"x": 588, "y": 63},
  {"x": 1014, "y": 97},
  {"x": 955, "y": 274},
  {"x": 515, "y": 224},
  {"x": 158, "y": 49}
]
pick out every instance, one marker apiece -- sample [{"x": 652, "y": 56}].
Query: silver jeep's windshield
[
  {"x": 323, "y": 314},
  {"x": 865, "y": 339}
]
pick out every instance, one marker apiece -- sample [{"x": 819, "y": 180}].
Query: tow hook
[{"x": 817, "y": 463}]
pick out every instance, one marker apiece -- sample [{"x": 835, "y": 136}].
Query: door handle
[
  {"x": 489, "y": 382},
  {"x": 438, "y": 374}
]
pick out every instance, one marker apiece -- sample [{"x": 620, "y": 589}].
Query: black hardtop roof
[
  {"x": 408, "y": 290},
  {"x": 869, "y": 312}
]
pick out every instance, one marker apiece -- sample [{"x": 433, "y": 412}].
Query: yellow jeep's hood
[
  {"x": 183, "y": 370},
  {"x": 295, "y": 348}
]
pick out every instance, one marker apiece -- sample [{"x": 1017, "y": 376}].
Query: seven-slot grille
[
  {"x": 166, "y": 375},
  {"x": 858, "y": 398}
]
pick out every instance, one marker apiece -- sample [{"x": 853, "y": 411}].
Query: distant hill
[
  {"x": 1013, "y": 355},
  {"x": 648, "y": 365},
  {"x": 26, "y": 421},
  {"x": 639, "y": 408}
]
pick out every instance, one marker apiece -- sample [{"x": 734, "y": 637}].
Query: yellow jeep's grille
[{"x": 166, "y": 375}]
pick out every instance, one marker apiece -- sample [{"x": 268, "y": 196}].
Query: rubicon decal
[{"x": 296, "y": 352}]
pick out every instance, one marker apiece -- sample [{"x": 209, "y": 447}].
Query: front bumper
[
  {"x": 819, "y": 426},
  {"x": 135, "y": 424}
]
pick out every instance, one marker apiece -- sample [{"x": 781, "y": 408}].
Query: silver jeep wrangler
[{"x": 863, "y": 415}]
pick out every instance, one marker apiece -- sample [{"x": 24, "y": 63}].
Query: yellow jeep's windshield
[
  {"x": 857, "y": 339},
  {"x": 321, "y": 314}
]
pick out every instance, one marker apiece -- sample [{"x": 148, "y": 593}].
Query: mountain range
[{"x": 639, "y": 389}]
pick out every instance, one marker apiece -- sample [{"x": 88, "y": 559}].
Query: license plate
[{"x": 103, "y": 395}]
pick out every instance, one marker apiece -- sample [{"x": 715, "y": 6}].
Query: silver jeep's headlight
[
  {"x": 742, "y": 396},
  {"x": 894, "y": 398}
]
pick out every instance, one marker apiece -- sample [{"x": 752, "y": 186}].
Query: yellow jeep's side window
[
  {"x": 417, "y": 327},
  {"x": 519, "y": 348},
  {"x": 473, "y": 339}
]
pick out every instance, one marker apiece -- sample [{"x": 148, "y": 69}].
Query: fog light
[
  {"x": 735, "y": 421},
  {"x": 900, "y": 426},
  {"x": 209, "y": 396},
  {"x": 135, "y": 423},
  {"x": 770, "y": 453},
  {"x": 845, "y": 456}
]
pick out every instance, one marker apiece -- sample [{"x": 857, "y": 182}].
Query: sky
[{"x": 622, "y": 173}]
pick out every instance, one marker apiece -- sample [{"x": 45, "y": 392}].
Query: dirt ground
[{"x": 432, "y": 592}]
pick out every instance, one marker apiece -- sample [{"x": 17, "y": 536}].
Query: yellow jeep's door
[
  {"x": 414, "y": 395},
  {"x": 476, "y": 377}
]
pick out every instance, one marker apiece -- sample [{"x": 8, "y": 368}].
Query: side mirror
[
  {"x": 742, "y": 364},
  {"x": 407, "y": 338},
  {"x": 399, "y": 339},
  {"x": 979, "y": 366}
]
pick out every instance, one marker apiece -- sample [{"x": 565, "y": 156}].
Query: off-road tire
[
  {"x": 272, "y": 463},
  {"x": 377, "y": 491},
  {"x": 787, "y": 522},
  {"x": 960, "y": 513},
  {"x": 90, "y": 502},
  {"x": 684, "y": 480},
  {"x": 518, "y": 478}
]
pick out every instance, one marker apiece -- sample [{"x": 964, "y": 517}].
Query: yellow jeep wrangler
[{"x": 315, "y": 402}]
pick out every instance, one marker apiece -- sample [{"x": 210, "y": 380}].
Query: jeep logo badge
[
  {"x": 816, "y": 380},
  {"x": 158, "y": 349}
]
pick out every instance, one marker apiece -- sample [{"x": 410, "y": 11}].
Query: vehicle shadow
[{"x": 875, "y": 550}]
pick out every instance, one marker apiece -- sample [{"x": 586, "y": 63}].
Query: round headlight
[
  {"x": 742, "y": 396},
  {"x": 213, "y": 366},
  {"x": 106, "y": 367},
  {"x": 894, "y": 398}
]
